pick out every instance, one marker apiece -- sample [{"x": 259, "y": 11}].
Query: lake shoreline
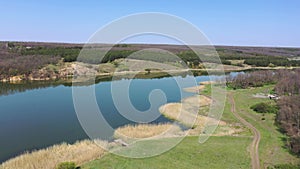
[
  {"x": 69, "y": 77},
  {"x": 46, "y": 150}
]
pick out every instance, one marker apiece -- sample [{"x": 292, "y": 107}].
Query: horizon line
[{"x": 142, "y": 43}]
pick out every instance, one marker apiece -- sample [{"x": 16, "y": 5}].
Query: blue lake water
[{"x": 36, "y": 118}]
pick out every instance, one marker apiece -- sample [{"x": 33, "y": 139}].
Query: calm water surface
[{"x": 36, "y": 118}]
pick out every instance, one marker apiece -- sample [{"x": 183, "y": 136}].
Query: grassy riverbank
[
  {"x": 230, "y": 151},
  {"x": 218, "y": 153},
  {"x": 272, "y": 145}
]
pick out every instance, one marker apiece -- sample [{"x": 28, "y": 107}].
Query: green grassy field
[
  {"x": 272, "y": 147},
  {"x": 217, "y": 152}
]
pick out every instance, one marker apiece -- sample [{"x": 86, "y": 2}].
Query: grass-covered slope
[{"x": 217, "y": 152}]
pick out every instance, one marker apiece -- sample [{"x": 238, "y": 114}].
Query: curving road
[{"x": 256, "y": 137}]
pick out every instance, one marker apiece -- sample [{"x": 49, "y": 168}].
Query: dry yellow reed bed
[
  {"x": 146, "y": 131},
  {"x": 49, "y": 158},
  {"x": 195, "y": 89},
  {"x": 185, "y": 112},
  {"x": 207, "y": 83}
]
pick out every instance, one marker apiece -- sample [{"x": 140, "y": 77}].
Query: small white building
[{"x": 273, "y": 96}]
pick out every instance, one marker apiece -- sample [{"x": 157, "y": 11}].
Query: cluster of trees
[
  {"x": 23, "y": 65},
  {"x": 250, "y": 59},
  {"x": 66, "y": 165},
  {"x": 257, "y": 59},
  {"x": 288, "y": 116},
  {"x": 189, "y": 56},
  {"x": 265, "y": 108},
  {"x": 284, "y": 166},
  {"x": 96, "y": 56},
  {"x": 264, "y": 61},
  {"x": 69, "y": 54},
  {"x": 117, "y": 54},
  {"x": 288, "y": 83},
  {"x": 251, "y": 79}
]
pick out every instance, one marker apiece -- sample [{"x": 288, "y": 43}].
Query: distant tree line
[
  {"x": 70, "y": 54},
  {"x": 23, "y": 60},
  {"x": 255, "y": 59},
  {"x": 264, "y": 61},
  {"x": 95, "y": 56}
]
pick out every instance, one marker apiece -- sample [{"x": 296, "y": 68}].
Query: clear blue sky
[{"x": 225, "y": 22}]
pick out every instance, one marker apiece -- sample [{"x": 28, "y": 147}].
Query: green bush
[
  {"x": 148, "y": 70},
  {"x": 66, "y": 165},
  {"x": 265, "y": 108},
  {"x": 285, "y": 166}
]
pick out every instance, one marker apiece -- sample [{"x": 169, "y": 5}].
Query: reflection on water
[{"x": 35, "y": 115}]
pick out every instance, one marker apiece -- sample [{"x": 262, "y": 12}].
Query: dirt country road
[{"x": 256, "y": 135}]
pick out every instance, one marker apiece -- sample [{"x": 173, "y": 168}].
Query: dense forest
[
  {"x": 70, "y": 54},
  {"x": 288, "y": 116},
  {"x": 22, "y": 58},
  {"x": 287, "y": 86},
  {"x": 24, "y": 65}
]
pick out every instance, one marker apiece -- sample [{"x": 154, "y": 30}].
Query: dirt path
[{"x": 256, "y": 137}]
